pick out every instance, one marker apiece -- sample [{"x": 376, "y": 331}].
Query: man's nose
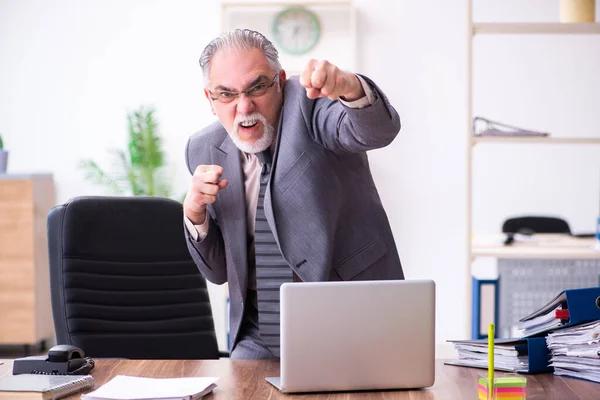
[{"x": 245, "y": 104}]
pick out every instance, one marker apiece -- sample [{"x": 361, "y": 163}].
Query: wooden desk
[{"x": 245, "y": 380}]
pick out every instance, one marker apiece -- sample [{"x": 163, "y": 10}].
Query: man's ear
[
  {"x": 282, "y": 77},
  {"x": 210, "y": 101}
]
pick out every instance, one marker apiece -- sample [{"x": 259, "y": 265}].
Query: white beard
[{"x": 261, "y": 143}]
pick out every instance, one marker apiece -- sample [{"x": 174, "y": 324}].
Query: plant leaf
[
  {"x": 96, "y": 175},
  {"x": 139, "y": 170}
]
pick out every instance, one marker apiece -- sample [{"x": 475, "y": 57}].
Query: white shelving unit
[
  {"x": 538, "y": 28},
  {"x": 567, "y": 249},
  {"x": 558, "y": 247},
  {"x": 534, "y": 140}
]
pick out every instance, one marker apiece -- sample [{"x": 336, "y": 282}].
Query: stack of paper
[
  {"x": 124, "y": 387},
  {"x": 509, "y": 355},
  {"x": 553, "y": 319},
  {"x": 555, "y": 314},
  {"x": 575, "y": 351}
]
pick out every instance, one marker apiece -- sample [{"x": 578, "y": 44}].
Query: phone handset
[
  {"x": 62, "y": 359},
  {"x": 64, "y": 353}
]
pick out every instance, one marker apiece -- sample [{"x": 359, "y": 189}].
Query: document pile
[
  {"x": 124, "y": 387},
  {"x": 547, "y": 321},
  {"x": 568, "y": 325},
  {"x": 512, "y": 355},
  {"x": 570, "y": 308},
  {"x": 575, "y": 351}
]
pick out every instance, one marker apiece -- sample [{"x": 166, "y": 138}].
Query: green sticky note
[{"x": 510, "y": 381}]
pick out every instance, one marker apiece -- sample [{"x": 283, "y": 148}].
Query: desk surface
[
  {"x": 246, "y": 380},
  {"x": 541, "y": 246}
]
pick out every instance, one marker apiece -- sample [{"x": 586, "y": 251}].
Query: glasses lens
[
  {"x": 255, "y": 91},
  {"x": 258, "y": 90},
  {"x": 225, "y": 97}
]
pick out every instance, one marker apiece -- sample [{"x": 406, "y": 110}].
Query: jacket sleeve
[
  {"x": 208, "y": 253},
  {"x": 344, "y": 129}
]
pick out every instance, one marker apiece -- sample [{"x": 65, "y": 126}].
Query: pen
[{"x": 490, "y": 359}]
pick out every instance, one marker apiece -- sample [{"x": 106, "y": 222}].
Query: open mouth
[{"x": 248, "y": 124}]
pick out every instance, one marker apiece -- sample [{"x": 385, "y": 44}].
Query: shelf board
[
  {"x": 553, "y": 28},
  {"x": 534, "y": 140},
  {"x": 552, "y": 247}
]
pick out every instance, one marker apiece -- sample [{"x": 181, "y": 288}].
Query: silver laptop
[{"x": 360, "y": 335}]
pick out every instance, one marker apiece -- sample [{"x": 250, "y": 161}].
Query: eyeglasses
[{"x": 223, "y": 96}]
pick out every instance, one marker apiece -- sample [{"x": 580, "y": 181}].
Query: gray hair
[{"x": 240, "y": 40}]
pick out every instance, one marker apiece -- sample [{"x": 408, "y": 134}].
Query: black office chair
[
  {"x": 123, "y": 283},
  {"x": 535, "y": 224}
]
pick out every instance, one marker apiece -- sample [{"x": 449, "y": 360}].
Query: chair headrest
[{"x": 120, "y": 227}]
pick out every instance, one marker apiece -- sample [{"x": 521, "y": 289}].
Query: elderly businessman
[{"x": 281, "y": 188}]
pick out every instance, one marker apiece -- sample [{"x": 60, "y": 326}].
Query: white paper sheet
[{"x": 124, "y": 387}]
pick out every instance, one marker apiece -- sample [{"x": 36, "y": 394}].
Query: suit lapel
[
  {"x": 268, "y": 197},
  {"x": 284, "y": 155},
  {"x": 231, "y": 203}
]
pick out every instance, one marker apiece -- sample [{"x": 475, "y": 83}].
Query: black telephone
[{"x": 62, "y": 359}]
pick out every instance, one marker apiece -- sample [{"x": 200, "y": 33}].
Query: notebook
[
  {"x": 43, "y": 387},
  {"x": 124, "y": 387}
]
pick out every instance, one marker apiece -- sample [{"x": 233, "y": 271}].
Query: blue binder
[
  {"x": 538, "y": 356},
  {"x": 583, "y": 306}
]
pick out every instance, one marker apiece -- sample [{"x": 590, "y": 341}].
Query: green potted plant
[
  {"x": 139, "y": 171},
  {"x": 3, "y": 157}
]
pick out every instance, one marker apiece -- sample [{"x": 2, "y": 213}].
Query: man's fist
[
  {"x": 323, "y": 79},
  {"x": 203, "y": 190}
]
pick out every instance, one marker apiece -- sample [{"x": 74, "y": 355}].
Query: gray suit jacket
[{"x": 321, "y": 201}]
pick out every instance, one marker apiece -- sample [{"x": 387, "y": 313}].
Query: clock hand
[
  {"x": 285, "y": 29},
  {"x": 296, "y": 35}
]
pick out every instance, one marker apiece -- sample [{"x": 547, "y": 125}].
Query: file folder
[
  {"x": 538, "y": 356},
  {"x": 494, "y": 128},
  {"x": 583, "y": 305}
]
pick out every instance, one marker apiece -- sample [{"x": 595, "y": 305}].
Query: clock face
[{"x": 296, "y": 30}]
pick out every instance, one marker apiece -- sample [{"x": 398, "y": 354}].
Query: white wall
[{"x": 71, "y": 69}]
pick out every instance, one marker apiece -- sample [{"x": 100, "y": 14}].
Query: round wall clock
[{"x": 296, "y": 30}]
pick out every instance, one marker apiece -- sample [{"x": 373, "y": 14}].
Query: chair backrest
[
  {"x": 123, "y": 283},
  {"x": 535, "y": 224}
]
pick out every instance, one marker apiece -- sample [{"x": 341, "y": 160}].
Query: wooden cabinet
[{"x": 25, "y": 308}]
